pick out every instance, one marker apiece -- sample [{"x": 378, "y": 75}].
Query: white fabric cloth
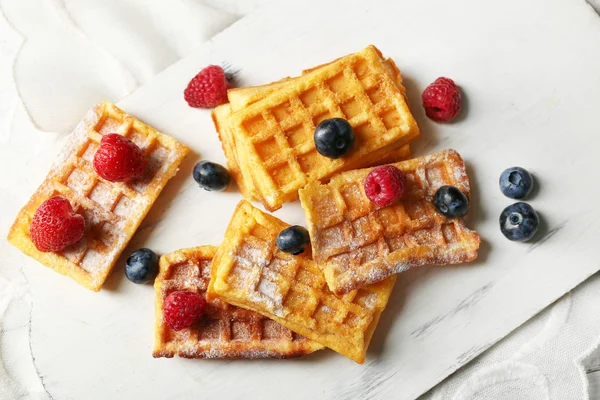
[
  {"x": 546, "y": 358},
  {"x": 83, "y": 51},
  {"x": 595, "y": 4},
  {"x": 59, "y": 56}
]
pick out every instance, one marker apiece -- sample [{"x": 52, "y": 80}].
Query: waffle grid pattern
[
  {"x": 292, "y": 289},
  {"x": 276, "y": 132},
  {"x": 225, "y": 331},
  {"x": 358, "y": 243},
  {"x": 112, "y": 211}
]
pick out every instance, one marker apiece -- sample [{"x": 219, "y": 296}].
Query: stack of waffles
[
  {"x": 267, "y": 131},
  {"x": 333, "y": 294},
  {"x": 262, "y": 302}
]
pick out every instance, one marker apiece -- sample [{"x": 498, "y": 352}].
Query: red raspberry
[
  {"x": 384, "y": 185},
  {"x": 208, "y": 88},
  {"x": 118, "y": 159},
  {"x": 182, "y": 309},
  {"x": 442, "y": 100},
  {"x": 55, "y": 225}
]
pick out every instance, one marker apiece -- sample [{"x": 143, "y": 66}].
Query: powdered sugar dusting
[
  {"x": 226, "y": 331},
  {"x": 102, "y": 194},
  {"x": 92, "y": 261},
  {"x": 250, "y": 257},
  {"x": 78, "y": 181},
  {"x": 372, "y": 255},
  {"x": 107, "y": 232}
]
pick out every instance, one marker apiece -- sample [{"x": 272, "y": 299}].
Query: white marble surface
[{"x": 439, "y": 318}]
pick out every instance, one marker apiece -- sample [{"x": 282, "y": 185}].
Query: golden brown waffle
[
  {"x": 220, "y": 117},
  {"x": 242, "y": 97},
  {"x": 250, "y": 272},
  {"x": 244, "y": 181},
  {"x": 112, "y": 211},
  {"x": 225, "y": 331},
  {"x": 273, "y": 136},
  {"x": 357, "y": 243}
]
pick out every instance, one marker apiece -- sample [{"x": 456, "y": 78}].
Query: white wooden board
[{"x": 530, "y": 74}]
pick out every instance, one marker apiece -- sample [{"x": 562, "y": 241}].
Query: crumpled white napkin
[
  {"x": 543, "y": 359},
  {"x": 75, "y": 53},
  {"x": 18, "y": 379}
]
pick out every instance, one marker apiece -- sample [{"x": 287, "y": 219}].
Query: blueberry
[
  {"x": 211, "y": 176},
  {"x": 519, "y": 222},
  {"x": 293, "y": 239},
  {"x": 334, "y": 137},
  {"x": 450, "y": 202},
  {"x": 141, "y": 266},
  {"x": 516, "y": 183}
]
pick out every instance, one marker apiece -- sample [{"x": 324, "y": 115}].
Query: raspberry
[
  {"x": 442, "y": 100},
  {"x": 182, "y": 309},
  {"x": 208, "y": 88},
  {"x": 55, "y": 226},
  {"x": 384, "y": 185},
  {"x": 118, "y": 159}
]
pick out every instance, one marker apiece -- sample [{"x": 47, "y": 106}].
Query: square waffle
[
  {"x": 251, "y": 272},
  {"x": 225, "y": 331},
  {"x": 112, "y": 211},
  {"x": 273, "y": 141},
  {"x": 357, "y": 243}
]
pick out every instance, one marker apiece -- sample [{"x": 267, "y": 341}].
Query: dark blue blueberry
[
  {"x": 293, "y": 239},
  {"x": 334, "y": 137},
  {"x": 519, "y": 222},
  {"x": 450, "y": 202},
  {"x": 141, "y": 266},
  {"x": 516, "y": 183},
  {"x": 211, "y": 176}
]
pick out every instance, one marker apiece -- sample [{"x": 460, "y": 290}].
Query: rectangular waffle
[
  {"x": 251, "y": 272},
  {"x": 244, "y": 181},
  {"x": 112, "y": 211},
  {"x": 225, "y": 331},
  {"x": 357, "y": 243},
  {"x": 242, "y": 97},
  {"x": 273, "y": 136}
]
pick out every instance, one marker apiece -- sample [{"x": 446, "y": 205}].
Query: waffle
[
  {"x": 225, "y": 331},
  {"x": 220, "y": 117},
  {"x": 249, "y": 271},
  {"x": 112, "y": 211},
  {"x": 273, "y": 136},
  {"x": 357, "y": 243},
  {"x": 244, "y": 181},
  {"x": 242, "y": 97}
]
